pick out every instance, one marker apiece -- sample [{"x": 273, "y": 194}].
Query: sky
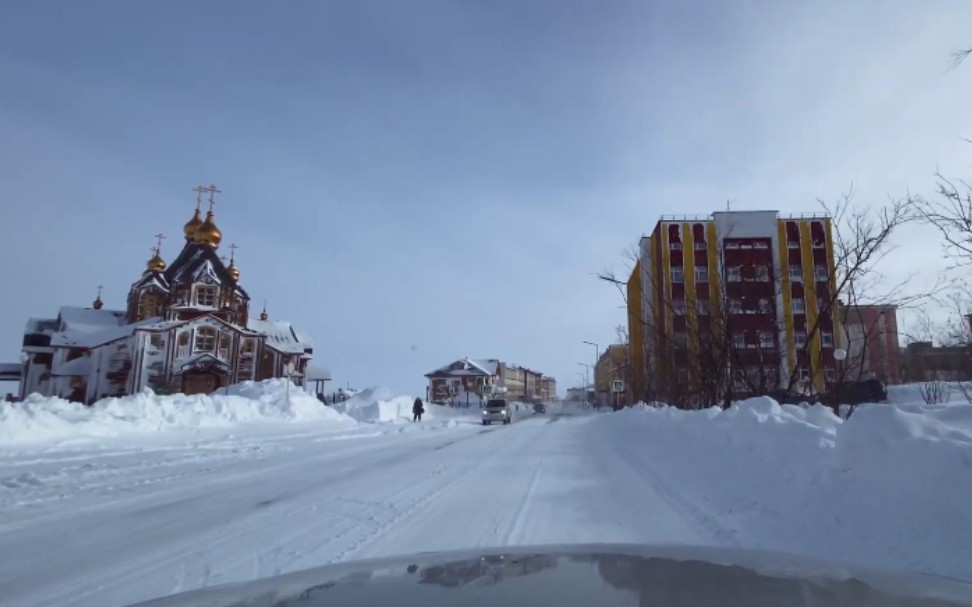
[{"x": 415, "y": 182}]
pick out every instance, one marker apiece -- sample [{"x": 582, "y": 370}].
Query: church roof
[
  {"x": 194, "y": 262},
  {"x": 280, "y": 335}
]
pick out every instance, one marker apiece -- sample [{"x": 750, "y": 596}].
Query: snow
[
  {"x": 888, "y": 486},
  {"x": 276, "y": 485},
  {"x": 45, "y": 420}
]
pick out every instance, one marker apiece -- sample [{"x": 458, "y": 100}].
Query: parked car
[
  {"x": 539, "y": 408},
  {"x": 857, "y": 392},
  {"x": 496, "y": 410}
]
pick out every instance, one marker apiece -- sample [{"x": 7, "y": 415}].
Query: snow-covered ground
[{"x": 126, "y": 511}]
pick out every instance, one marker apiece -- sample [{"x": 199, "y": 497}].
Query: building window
[
  {"x": 247, "y": 346},
  {"x": 701, "y": 274},
  {"x": 823, "y": 305},
  {"x": 675, "y": 246},
  {"x": 739, "y": 340},
  {"x": 205, "y": 339},
  {"x": 735, "y": 306},
  {"x": 760, "y": 244},
  {"x": 680, "y": 339},
  {"x": 732, "y": 245},
  {"x": 700, "y": 245},
  {"x": 206, "y": 295},
  {"x": 827, "y": 339},
  {"x": 183, "y": 344},
  {"x": 678, "y": 275},
  {"x": 830, "y": 375},
  {"x": 762, "y": 273},
  {"x": 704, "y": 307},
  {"x": 820, "y": 273},
  {"x": 224, "y": 345},
  {"x": 763, "y": 305},
  {"x": 793, "y": 244},
  {"x": 734, "y": 274},
  {"x": 156, "y": 341},
  {"x": 766, "y": 340},
  {"x": 678, "y": 306},
  {"x": 799, "y": 306},
  {"x": 800, "y": 339},
  {"x": 796, "y": 273}
]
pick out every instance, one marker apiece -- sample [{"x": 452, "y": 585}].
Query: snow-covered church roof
[{"x": 280, "y": 335}]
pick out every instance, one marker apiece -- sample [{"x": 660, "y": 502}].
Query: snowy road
[{"x": 121, "y": 525}]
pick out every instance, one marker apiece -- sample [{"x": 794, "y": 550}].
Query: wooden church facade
[{"x": 186, "y": 328}]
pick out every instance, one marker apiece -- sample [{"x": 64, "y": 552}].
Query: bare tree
[{"x": 950, "y": 212}]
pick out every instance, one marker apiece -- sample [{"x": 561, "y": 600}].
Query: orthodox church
[{"x": 186, "y": 328}]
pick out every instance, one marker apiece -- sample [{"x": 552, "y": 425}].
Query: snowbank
[
  {"x": 39, "y": 419},
  {"x": 890, "y": 486},
  {"x": 377, "y": 405},
  {"x": 380, "y": 405}
]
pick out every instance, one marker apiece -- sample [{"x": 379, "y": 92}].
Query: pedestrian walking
[{"x": 417, "y": 410}]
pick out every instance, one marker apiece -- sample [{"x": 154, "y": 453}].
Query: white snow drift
[
  {"x": 41, "y": 419},
  {"x": 890, "y": 485}
]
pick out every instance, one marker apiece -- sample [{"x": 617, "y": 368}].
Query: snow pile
[
  {"x": 380, "y": 405},
  {"x": 40, "y": 419},
  {"x": 888, "y": 487},
  {"x": 377, "y": 405}
]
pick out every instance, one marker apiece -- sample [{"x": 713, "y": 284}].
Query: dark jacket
[{"x": 417, "y": 407}]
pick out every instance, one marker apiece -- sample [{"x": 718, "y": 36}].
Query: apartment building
[
  {"x": 871, "y": 335},
  {"x": 741, "y": 299}
]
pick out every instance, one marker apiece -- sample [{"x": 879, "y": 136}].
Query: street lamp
[{"x": 597, "y": 358}]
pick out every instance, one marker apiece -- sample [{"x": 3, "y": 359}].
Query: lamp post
[
  {"x": 597, "y": 358},
  {"x": 587, "y": 382}
]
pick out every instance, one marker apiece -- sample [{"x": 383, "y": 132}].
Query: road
[{"x": 115, "y": 526}]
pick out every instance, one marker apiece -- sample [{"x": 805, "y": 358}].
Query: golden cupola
[
  {"x": 156, "y": 263},
  {"x": 234, "y": 271},
  {"x": 207, "y": 233},
  {"x": 189, "y": 230}
]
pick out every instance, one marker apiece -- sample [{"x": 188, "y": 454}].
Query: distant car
[
  {"x": 857, "y": 392},
  {"x": 496, "y": 410},
  {"x": 539, "y": 408}
]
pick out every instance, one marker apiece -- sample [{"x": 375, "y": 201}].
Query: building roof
[
  {"x": 87, "y": 327},
  {"x": 280, "y": 335},
  {"x": 196, "y": 261},
  {"x": 468, "y": 367},
  {"x": 318, "y": 374},
  {"x": 78, "y": 366},
  {"x": 10, "y": 371}
]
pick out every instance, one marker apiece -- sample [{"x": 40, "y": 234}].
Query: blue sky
[{"x": 414, "y": 182}]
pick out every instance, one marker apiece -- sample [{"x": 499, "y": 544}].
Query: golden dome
[
  {"x": 234, "y": 271},
  {"x": 156, "y": 264},
  {"x": 207, "y": 233},
  {"x": 192, "y": 225}
]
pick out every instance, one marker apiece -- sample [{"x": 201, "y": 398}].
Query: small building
[
  {"x": 186, "y": 328},
  {"x": 613, "y": 365},
  {"x": 474, "y": 375}
]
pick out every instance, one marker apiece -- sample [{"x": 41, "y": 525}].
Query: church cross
[
  {"x": 158, "y": 243},
  {"x": 99, "y": 291},
  {"x": 233, "y": 248},
  {"x": 199, "y": 192},
  {"x": 213, "y": 190}
]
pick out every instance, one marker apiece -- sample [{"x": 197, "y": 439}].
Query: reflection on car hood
[{"x": 585, "y": 575}]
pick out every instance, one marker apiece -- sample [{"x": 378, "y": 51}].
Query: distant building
[
  {"x": 923, "y": 361},
  {"x": 873, "y": 348},
  {"x": 186, "y": 328},
  {"x": 754, "y": 282},
  {"x": 613, "y": 365},
  {"x": 473, "y": 375},
  {"x": 548, "y": 388}
]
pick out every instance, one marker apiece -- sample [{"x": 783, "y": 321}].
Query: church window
[
  {"x": 206, "y": 295},
  {"x": 148, "y": 305},
  {"x": 184, "y": 344},
  {"x": 205, "y": 339},
  {"x": 157, "y": 341},
  {"x": 224, "y": 345}
]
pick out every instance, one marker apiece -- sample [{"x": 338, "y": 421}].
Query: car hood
[{"x": 583, "y": 575}]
